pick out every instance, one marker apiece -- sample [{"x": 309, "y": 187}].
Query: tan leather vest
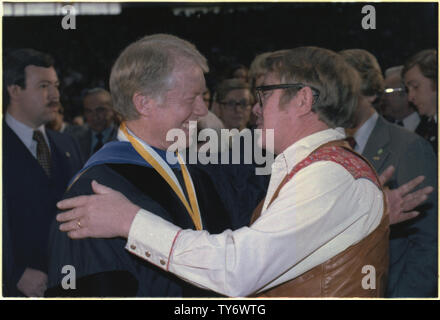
[{"x": 359, "y": 271}]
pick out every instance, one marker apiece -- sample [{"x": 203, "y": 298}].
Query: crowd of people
[{"x": 354, "y": 182}]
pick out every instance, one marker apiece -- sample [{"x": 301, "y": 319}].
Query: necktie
[
  {"x": 99, "y": 144},
  {"x": 43, "y": 153},
  {"x": 351, "y": 141}
]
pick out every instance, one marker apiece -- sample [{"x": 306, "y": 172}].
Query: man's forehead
[
  {"x": 36, "y": 73},
  {"x": 393, "y": 80},
  {"x": 97, "y": 99},
  {"x": 190, "y": 77},
  {"x": 413, "y": 73}
]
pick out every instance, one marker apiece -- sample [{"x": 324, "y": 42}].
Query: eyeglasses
[
  {"x": 262, "y": 89},
  {"x": 232, "y": 104},
  {"x": 392, "y": 90}
]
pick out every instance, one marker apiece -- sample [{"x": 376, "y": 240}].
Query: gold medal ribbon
[{"x": 193, "y": 207}]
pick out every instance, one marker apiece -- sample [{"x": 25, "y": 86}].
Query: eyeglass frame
[
  {"x": 298, "y": 85},
  {"x": 394, "y": 90}
]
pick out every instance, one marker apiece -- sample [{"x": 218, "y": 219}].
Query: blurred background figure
[
  {"x": 420, "y": 77},
  {"x": 78, "y": 120},
  {"x": 235, "y": 101},
  {"x": 394, "y": 103},
  {"x": 211, "y": 120},
  {"x": 100, "y": 119},
  {"x": 239, "y": 71},
  {"x": 58, "y": 124}
]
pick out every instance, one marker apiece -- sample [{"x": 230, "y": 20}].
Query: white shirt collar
[
  {"x": 302, "y": 148},
  {"x": 412, "y": 121},
  {"x": 24, "y": 132},
  {"x": 363, "y": 133}
]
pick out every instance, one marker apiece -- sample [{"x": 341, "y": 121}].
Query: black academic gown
[{"x": 103, "y": 267}]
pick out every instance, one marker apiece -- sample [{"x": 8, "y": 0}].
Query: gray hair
[
  {"x": 393, "y": 70},
  {"x": 147, "y": 66}
]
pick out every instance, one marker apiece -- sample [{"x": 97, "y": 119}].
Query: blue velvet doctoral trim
[{"x": 122, "y": 152}]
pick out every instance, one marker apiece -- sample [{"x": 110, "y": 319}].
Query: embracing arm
[{"x": 251, "y": 258}]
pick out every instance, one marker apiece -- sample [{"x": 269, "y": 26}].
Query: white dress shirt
[
  {"x": 363, "y": 133},
  {"x": 320, "y": 212},
  {"x": 411, "y": 122},
  {"x": 26, "y": 133}
]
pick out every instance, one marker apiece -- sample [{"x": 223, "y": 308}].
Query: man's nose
[
  {"x": 411, "y": 95},
  {"x": 54, "y": 93}
]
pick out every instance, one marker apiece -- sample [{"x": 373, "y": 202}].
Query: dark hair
[
  {"x": 228, "y": 85},
  {"x": 427, "y": 62},
  {"x": 14, "y": 64}
]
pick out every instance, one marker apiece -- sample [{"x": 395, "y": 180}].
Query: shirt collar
[
  {"x": 411, "y": 121},
  {"x": 23, "y": 131},
  {"x": 363, "y": 133},
  {"x": 302, "y": 148}
]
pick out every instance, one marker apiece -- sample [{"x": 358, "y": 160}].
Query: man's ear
[
  {"x": 142, "y": 103},
  {"x": 13, "y": 91},
  {"x": 304, "y": 101}
]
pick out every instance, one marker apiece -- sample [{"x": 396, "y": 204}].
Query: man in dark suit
[
  {"x": 99, "y": 115},
  {"x": 37, "y": 165},
  {"x": 420, "y": 76},
  {"x": 413, "y": 243}
]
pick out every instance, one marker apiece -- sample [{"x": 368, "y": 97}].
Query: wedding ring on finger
[{"x": 79, "y": 224}]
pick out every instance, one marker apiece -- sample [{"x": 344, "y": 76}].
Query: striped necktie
[{"x": 43, "y": 153}]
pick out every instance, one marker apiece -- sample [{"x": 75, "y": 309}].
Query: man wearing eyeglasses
[
  {"x": 99, "y": 115},
  {"x": 394, "y": 102},
  {"x": 235, "y": 100},
  {"x": 323, "y": 220}
]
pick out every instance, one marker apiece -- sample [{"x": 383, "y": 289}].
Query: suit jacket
[
  {"x": 413, "y": 244},
  {"x": 29, "y": 201},
  {"x": 84, "y": 138},
  {"x": 427, "y": 128}
]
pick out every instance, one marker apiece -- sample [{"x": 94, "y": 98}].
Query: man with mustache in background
[{"x": 38, "y": 164}]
